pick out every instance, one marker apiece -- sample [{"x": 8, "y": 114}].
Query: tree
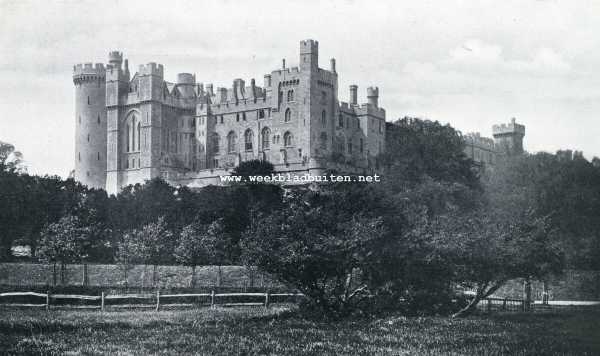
[
  {"x": 10, "y": 159},
  {"x": 152, "y": 245},
  {"x": 67, "y": 241},
  {"x": 330, "y": 250},
  {"x": 201, "y": 244}
]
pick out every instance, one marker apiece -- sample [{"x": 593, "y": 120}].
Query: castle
[
  {"x": 508, "y": 140},
  {"x": 133, "y": 128},
  {"x": 130, "y": 129}
]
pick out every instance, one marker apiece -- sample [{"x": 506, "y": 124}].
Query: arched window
[
  {"x": 288, "y": 115},
  {"x": 290, "y": 95},
  {"x": 323, "y": 140},
  {"x": 265, "y": 138},
  {"x": 248, "y": 139},
  {"x": 287, "y": 139},
  {"x": 139, "y": 129},
  {"x": 216, "y": 142},
  {"x": 231, "y": 142},
  {"x": 128, "y": 137},
  {"x": 323, "y": 118}
]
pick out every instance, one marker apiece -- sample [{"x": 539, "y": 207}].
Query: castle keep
[{"x": 131, "y": 128}]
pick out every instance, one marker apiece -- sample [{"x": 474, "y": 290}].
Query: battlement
[
  {"x": 511, "y": 128},
  {"x": 475, "y": 138},
  {"x": 151, "y": 69},
  {"x": 89, "y": 69},
  {"x": 309, "y": 46}
]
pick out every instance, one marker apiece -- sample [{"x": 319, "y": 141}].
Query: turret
[
  {"x": 509, "y": 137},
  {"x": 373, "y": 96},
  {"x": 332, "y": 61},
  {"x": 353, "y": 94},
  {"x": 115, "y": 58},
  {"x": 90, "y": 124},
  {"x": 309, "y": 55}
]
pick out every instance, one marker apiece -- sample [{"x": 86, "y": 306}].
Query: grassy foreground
[{"x": 249, "y": 331}]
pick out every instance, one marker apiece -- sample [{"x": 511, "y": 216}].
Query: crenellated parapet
[
  {"x": 509, "y": 129},
  {"x": 88, "y": 72},
  {"x": 475, "y": 139},
  {"x": 151, "y": 69}
]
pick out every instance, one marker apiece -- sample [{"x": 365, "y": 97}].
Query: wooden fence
[{"x": 154, "y": 301}]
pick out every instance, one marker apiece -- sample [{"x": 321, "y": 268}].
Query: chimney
[
  {"x": 353, "y": 97},
  {"x": 333, "y": 65}
]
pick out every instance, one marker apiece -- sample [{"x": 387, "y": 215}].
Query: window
[
  {"x": 88, "y": 100},
  {"x": 341, "y": 121},
  {"x": 288, "y": 115},
  {"x": 261, "y": 114},
  {"x": 324, "y": 118},
  {"x": 244, "y": 116},
  {"x": 237, "y": 117},
  {"x": 216, "y": 141},
  {"x": 380, "y": 127},
  {"x": 221, "y": 118},
  {"x": 231, "y": 142},
  {"x": 287, "y": 139},
  {"x": 79, "y": 156},
  {"x": 98, "y": 156},
  {"x": 349, "y": 146},
  {"x": 265, "y": 136},
  {"x": 88, "y": 138},
  {"x": 128, "y": 137},
  {"x": 139, "y": 129},
  {"x": 357, "y": 123},
  {"x": 361, "y": 145},
  {"x": 248, "y": 139},
  {"x": 323, "y": 140},
  {"x": 290, "y": 95},
  {"x": 98, "y": 119},
  {"x": 323, "y": 97}
]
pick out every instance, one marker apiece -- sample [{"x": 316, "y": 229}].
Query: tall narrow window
[
  {"x": 324, "y": 118},
  {"x": 216, "y": 141},
  {"x": 231, "y": 142},
  {"x": 248, "y": 139},
  {"x": 88, "y": 100},
  {"x": 287, "y": 139},
  {"x": 290, "y": 95},
  {"x": 128, "y": 137},
  {"x": 361, "y": 145},
  {"x": 139, "y": 129},
  {"x": 265, "y": 137},
  {"x": 288, "y": 115},
  {"x": 98, "y": 156},
  {"x": 341, "y": 121},
  {"x": 98, "y": 119}
]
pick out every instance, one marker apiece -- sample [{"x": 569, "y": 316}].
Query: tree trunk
[
  {"x": 84, "y": 279},
  {"x": 154, "y": 276},
  {"x": 545, "y": 293},
  {"x": 62, "y": 274},
  {"x": 527, "y": 293},
  {"x": 219, "y": 276},
  {"x": 193, "y": 280},
  {"x": 54, "y": 274},
  {"x": 480, "y": 294}
]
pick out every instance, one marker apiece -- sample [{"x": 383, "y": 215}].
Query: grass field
[{"x": 250, "y": 331}]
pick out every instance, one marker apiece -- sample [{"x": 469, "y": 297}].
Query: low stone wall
[{"x": 135, "y": 276}]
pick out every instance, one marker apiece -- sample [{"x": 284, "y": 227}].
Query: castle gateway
[{"x": 133, "y": 128}]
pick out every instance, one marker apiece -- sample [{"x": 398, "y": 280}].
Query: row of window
[{"x": 265, "y": 140}]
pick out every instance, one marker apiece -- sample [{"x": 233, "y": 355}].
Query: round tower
[{"x": 90, "y": 124}]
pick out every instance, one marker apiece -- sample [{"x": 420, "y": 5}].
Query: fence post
[
  {"x": 102, "y": 302},
  {"x": 212, "y": 298},
  {"x": 267, "y": 299},
  {"x": 48, "y": 300},
  {"x": 157, "y": 300}
]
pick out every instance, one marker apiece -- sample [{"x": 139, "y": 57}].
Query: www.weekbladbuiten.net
[{"x": 306, "y": 178}]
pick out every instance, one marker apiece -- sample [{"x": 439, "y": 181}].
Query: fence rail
[{"x": 157, "y": 300}]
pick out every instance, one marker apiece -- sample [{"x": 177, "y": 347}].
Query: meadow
[{"x": 281, "y": 331}]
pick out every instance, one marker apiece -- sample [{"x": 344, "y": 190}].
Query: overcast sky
[{"x": 469, "y": 63}]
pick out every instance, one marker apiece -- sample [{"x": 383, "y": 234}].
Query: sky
[{"x": 472, "y": 64}]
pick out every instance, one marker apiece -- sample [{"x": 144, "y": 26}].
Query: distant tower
[
  {"x": 309, "y": 55},
  {"x": 90, "y": 125},
  {"x": 509, "y": 137}
]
